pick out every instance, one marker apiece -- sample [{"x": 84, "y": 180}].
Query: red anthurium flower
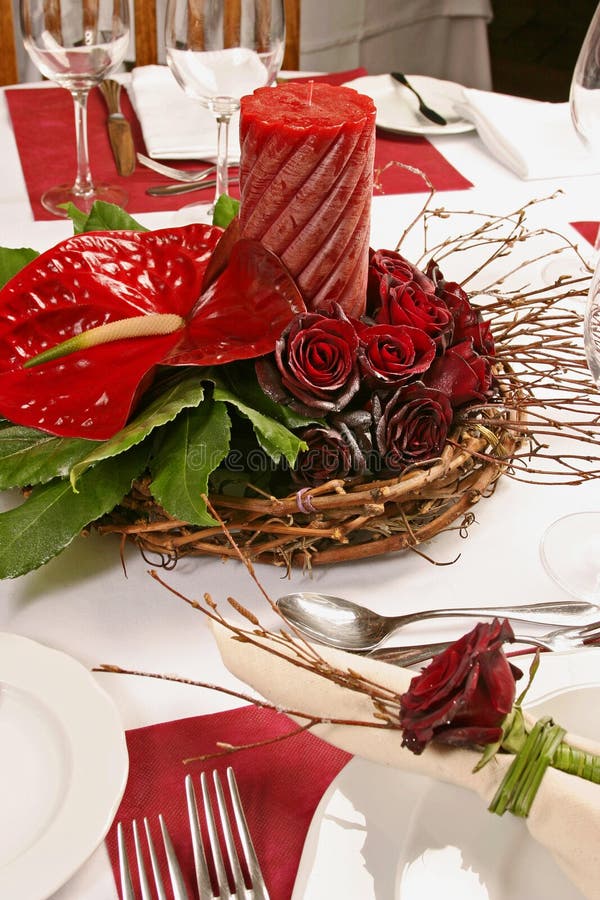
[{"x": 67, "y": 368}]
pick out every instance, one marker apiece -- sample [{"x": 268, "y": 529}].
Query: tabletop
[{"x": 91, "y": 605}]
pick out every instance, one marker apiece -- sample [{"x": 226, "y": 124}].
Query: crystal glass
[
  {"x": 570, "y": 548},
  {"x": 584, "y": 96},
  {"x": 76, "y": 44},
  {"x": 219, "y": 50}
]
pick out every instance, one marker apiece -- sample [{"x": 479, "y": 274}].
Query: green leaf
[
  {"x": 53, "y": 515},
  {"x": 226, "y": 209},
  {"x": 192, "y": 448},
  {"x": 28, "y": 456},
  {"x": 274, "y": 438},
  {"x": 180, "y": 395},
  {"x": 102, "y": 217},
  {"x": 13, "y": 260},
  {"x": 243, "y": 382}
]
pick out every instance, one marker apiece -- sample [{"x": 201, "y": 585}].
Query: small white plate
[
  {"x": 398, "y": 108},
  {"x": 382, "y": 834},
  {"x": 63, "y": 767}
]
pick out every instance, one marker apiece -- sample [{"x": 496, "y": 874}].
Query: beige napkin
[
  {"x": 174, "y": 125},
  {"x": 532, "y": 138},
  {"x": 565, "y": 815}
]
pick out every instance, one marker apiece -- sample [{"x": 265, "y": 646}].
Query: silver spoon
[
  {"x": 348, "y": 626},
  {"x": 425, "y": 110}
]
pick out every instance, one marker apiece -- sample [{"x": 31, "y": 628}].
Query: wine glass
[
  {"x": 570, "y": 547},
  {"x": 220, "y": 50},
  {"x": 76, "y": 44},
  {"x": 584, "y": 105}
]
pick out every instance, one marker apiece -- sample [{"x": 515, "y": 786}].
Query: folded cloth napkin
[
  {"x": 564, "y": 817},
  {"x": 532, "y": 138},
  {"x": 281, "y": 783},
  {"x": 174, "y": 125}
]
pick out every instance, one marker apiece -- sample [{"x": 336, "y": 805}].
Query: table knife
[{"x": 119, "y": 129}]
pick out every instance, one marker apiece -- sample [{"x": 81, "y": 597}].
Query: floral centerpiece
[{"x": 142, "y": 371}]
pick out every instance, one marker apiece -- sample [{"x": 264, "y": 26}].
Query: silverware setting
[
  {"x": 348, "y": 626},
  {"x": 168, "y": 190},
  {"x": 425, "y": 110},
  {"x": 564, "y": 638},
  {"x": 222, "y": 857}
]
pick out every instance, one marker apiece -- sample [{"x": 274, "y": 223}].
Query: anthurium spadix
[{"x": 83, "y": 326}]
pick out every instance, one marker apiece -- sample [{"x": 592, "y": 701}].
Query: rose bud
[
  {"x": 411, "y": 426},
  {"x": 409, "y": 304},
  {"x": 388, "y": 265},
  {"x": 461, "y": 374},
  {"x": 462, "y": 697},
  {"x": 328, "y": 456},
  {"x": 314, "y": 368},
  {"x": 391, "y": 355}
]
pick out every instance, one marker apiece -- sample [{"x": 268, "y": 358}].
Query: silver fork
[
  {"x": 564, "y": 638},
  {"x": 185, "y": 175},
  {"x": 175, "y": 877},
  {"x": 256, "y": 888}
]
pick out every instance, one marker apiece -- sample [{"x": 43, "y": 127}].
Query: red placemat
[
  {"x": 280, "y": 785},
  {"x": 588, "y": 230},
  {"x": 43, "y": 124}
]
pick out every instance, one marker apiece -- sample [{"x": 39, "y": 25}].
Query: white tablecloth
[{"x": 83, "y": 604}]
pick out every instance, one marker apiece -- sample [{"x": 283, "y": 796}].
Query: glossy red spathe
[{"x": 95, "y": 278}]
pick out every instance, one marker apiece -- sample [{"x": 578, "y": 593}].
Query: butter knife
[{"x": 119, "y": 129}]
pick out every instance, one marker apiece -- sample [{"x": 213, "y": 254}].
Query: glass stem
[
  {"x": 223, "y": 120},
  {"x": 83, "y": 182}
]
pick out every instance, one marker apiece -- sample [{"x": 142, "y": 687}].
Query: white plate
[
  {"x": 63, "y": 767},
  {"x": 380, "y": 834},
  {"x": 398, "y": 108}
]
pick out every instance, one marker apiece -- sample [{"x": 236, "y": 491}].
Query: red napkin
[
  {"x": 280, "y": 785},
  {"x": 588, "y": 230},
  {"x": 44, "y": 129}
]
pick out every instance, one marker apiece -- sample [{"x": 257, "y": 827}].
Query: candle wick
[{"x": 310, "y": 92}]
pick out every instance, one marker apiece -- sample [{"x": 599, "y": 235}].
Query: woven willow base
[{"x": 337, "y": 521}]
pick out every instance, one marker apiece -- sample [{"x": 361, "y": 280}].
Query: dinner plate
[
  {"x": 63, "y": 767},
  {"x": 381, "y": 834},
  {"x": 398, "y": 109}
]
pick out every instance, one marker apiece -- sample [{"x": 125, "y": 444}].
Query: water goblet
[
  {"x": 76, "y": 44},
  {"x": 219, "y": 51},
  {"x": 570, "y": 547}
]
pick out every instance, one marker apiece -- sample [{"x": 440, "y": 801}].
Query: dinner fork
[
  {"x": 564, "y": 638},
  {"x": 256, "y": 889},
  {"x": 185, "y": 175},
  {"x": 175, "y": 877}
]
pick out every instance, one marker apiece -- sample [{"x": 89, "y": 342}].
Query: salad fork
[
  {"x": 175, "y": 877},
  {"x": 185, "y": 175},
  {"x": 564, "y": 638},
  {"x": 256, "y": 889}
]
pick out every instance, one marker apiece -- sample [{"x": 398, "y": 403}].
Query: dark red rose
[
  {"x": 391, "y": 355},
  {"x": 411, "y": 425},
  {"x": 464, "y": 694},
  {"x": 409, "y": 304},
  {"x": 462, "y": 374},
  {"x": 468, "y": 322},
  {"x": 337, "y": 451},
  {"x": 315, "y": 367},
  {"x": 387, "y": 265}
]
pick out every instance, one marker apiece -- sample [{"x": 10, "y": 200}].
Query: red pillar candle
[{"x": 306, "y": 181}]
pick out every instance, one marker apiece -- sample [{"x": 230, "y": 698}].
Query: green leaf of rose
[
  {"x": 226, "y": 209},
  {"x": 274, "y": 438},
  {"x": 102, "y": 217},
  {"x": 28, "y": 456},
  {"x": 192, "y": 448},
  {"x": 53, "y": 514},
  {"x": 13, "y": 260},
  {"x": 243, "y": 382},
  {"x": 185, "y": 393}
]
